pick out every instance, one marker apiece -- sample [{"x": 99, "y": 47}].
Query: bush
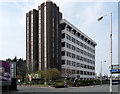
[
  {"x": 83, "y": 83},
  {"x": 51, "y": 83}
]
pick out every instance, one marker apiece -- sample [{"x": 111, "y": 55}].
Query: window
[
  {"x": 84, "y": 59},
  {"x": 68, "y": 54},
  {"x": 85, "y": 66},
  {"x": 81, "y": 58},
  {"x": 68, "y": 45},
  {"x": 63, "y": 61},
  {"x": 78, "y": 57},
  {"x": 81, "y": 44},
  {"x": 78, "y": 64},
  {"x": 73, "y": 47},
  {"x": 88, "y": 60},
  {"x": 78, "y": 34},
  {"x": 81, "y": 72},
  {"x": 77, "y": 49},
  {"x": 63, "y": 35},
  {"x": 73, "y": 63},
  {"x": 73, "y": 55},
  {"x": 88, "y": 54},
  {"x": 84, "y": 46},
  {"x": 81, "y": 65},
  {"x": 73, "y": 71},
  {"x": 87, "y": 73},
  {"x": 84, "y": 72},
  {"x": 73, "y": 39},
  {"x": 68, "y": 37},
  {"x": 68, "y": 62},
  {"x": 63, "y": 44},
  {"x": 77, "y": 42},
  {"x": 77, "y": 71},
  {"x": 90, "y": 73},
  {"x": 88, "y": 67},
  {"x": 91, "y": 61},
  {"x": 63, "y": 53},
  {"x": 81, "y": 51}
]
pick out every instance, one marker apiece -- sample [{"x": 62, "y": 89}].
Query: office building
[
  {"x": 43, "y": 37},
  {"x": 53, "y": 42},
  {"x": 78, "y": 53}
]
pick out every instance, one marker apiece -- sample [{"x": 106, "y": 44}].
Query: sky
[{"x": 82, "y": 14}]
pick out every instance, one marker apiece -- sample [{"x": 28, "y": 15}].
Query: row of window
[
  {"x": 72, "y": 55},
  {"x": 64, "y": 44},
  {"x": 69, "y": 71},
  {"x": 75, "y": 64},
  {"x": 77, "y": 34},
  {"x": 77, "y": 42}
]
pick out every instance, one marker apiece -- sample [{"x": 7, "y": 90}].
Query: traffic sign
[{"x": 115, "y": 71}]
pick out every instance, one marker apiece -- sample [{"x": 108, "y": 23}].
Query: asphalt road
[{"x": 96, "y": 88}]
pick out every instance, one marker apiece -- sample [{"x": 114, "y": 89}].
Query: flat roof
[{"x": 67, "y": 22}]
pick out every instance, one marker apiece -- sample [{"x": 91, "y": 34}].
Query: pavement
[{"x": 38, "y": 89}]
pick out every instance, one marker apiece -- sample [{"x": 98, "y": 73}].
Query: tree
[
  {"x": 22, "y": 69},
  {"x": 21, "y": 66},
  {"x": 52, "y": 74},
  {"x": 42, "y": 74}
]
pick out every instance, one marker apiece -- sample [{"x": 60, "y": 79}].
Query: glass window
[
  {"x": 73, "y": 55},
  {"x": 84, "y": 72},
  {"x": 85, "y": 66},
  {"x": 63, "y": 61},
  {"x": 63, "y": 53},
  {"x": 68, "y": 62},
  {"x": 73, "y": 47},
  {"x": 68, "y": 54},
  {"x": 73, "y": 63},
  {"x": 67, "y": 45},
  {"x": 77, "y": 71},
  {"x": 84, "y": 46},
  {"x": 81, "y": 44},
  {"x": 81, "y": 65},
  {"x": 78, "y": 64},
  {"x": 77, "y": 42},
  {"x": 63, "y": 35},
  {"x": 63, "y": 44},
  {"x": 81, "y": 51},
  {"x": 77, "y": 49},
  {"x": 81, "y": 72},
  {"x": 73, "y": 39}
]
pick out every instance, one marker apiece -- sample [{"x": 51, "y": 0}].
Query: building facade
[
  {"x": 53, "y": 42},
  {"x": 78, "y": 53},
  {"x": 32, "y": 40},
  {"x": 43, "y": 37}
]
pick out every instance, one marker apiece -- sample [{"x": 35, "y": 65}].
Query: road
[{"x": 96, "y": 88}]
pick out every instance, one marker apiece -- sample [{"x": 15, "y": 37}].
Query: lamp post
[
  {"x": 101, "y": 71},
  {"x": 110, "y": 14}
]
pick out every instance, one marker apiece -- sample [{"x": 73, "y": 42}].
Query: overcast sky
[{"x": 83, "y": 15}]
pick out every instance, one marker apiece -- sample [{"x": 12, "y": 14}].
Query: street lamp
[
  {"x": 110, "y": 14},
  {"x": 101, "y": 71}
]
